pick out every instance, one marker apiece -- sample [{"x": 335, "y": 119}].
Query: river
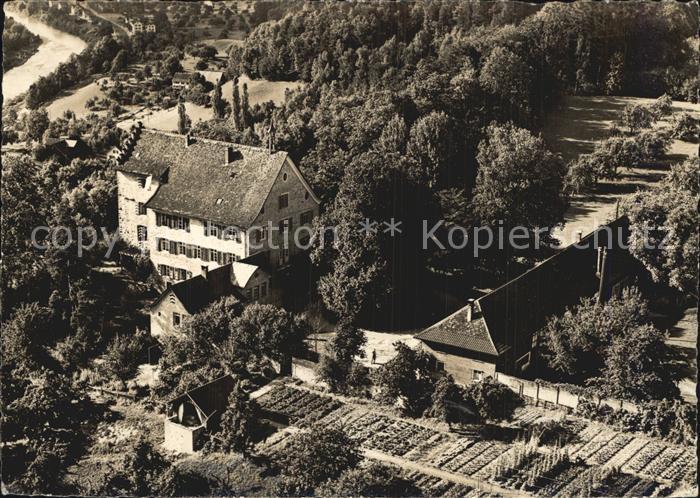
[{"x": 57, "y": 47}]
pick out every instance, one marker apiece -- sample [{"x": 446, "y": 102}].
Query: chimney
[
  {"x": 189, "y": 140},
  {"x": 229, "y": 155},
  {"x": 470, "y": 309},
  {"x": 205, "y": 271},
  {"x": 579, "y": 235}
]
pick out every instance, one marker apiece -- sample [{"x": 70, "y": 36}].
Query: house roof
[
  {"x": 210, "y": 397},
  {"x": 182, "y": 76},
  {"x": 201, "y": 180},
  {"x": 456, "y": 331},
  {"x": 511, "y": 313},
  {"x": 241, "y": 273},
  {"x": 198, "y": 292},
  {"x": 212, "y": 77}
]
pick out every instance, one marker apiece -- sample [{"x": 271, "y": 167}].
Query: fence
[{"x": 557, "y": 396}]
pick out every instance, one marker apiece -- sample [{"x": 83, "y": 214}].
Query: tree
[
  {"x": 663, "y": 232},
  {"x": 236, "y": 107},
  {"x": 36, "y": 124},
  {"x": 653, "y": 144},
  {"x": 637, "y": 116},
  {"x": 124, "y": 355},
  {"x": 23, "y": 336},
  {"x": 639, "y": 366},
  {"x": 684, "y": 127},
  {"x": 448, "y": 402},
  {"x": 314, "y": 457},
  {"x": 238, "y": 423},
  {"x": 614, "y": 153},
  {"x": 348, "y": 342},
  {"x": 183, "y": 121},
  {"x": 508, "y": 76},
  {"x": 119, "y": 62},
  {"x": 264, "y": 330},
  {"x": 406, "y": 378},
  {"x": 218, "y": 103},
  {"x": 520, "y": 183},
  {"x": 245, "y": 117},
  {"x": 576, "y": 342},
  {"x": 493, "y": 400},
  {"x": 430, "y": 145}
]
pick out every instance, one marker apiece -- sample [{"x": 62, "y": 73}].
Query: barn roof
[
  {"x": 513, "y": 312},
  {"x": 205, "y": 179}
]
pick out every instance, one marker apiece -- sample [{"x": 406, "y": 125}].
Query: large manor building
[{"x": 196, "y": 204}]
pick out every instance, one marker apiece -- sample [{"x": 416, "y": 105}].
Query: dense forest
[{"x": 18, "y": 44}]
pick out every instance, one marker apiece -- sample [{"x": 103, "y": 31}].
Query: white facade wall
[
  {"x": 194, "y": 236},
  {"x": 130, "y": 193}
]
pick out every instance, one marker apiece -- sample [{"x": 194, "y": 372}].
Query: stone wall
[{"x": 130, "y": 193}]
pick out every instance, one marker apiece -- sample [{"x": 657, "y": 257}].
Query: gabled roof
[
  {"x": 209, "y": 398},
  {"x": 510, "y": 314},
  {"x": 241, "y": 273},
  {"x": 182, "y": 76},
  {"x": 198, "y": 176},
  {"x": 456, "y": 331},
  {"x": 198, "y": 292}
]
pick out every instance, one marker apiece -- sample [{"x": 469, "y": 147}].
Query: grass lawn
[
  {"x": 574, "y": 129},
  {"x": 260, "y": 91},
  {"x": 381, "y": 342},
  {"x": 74, "y": 100}
]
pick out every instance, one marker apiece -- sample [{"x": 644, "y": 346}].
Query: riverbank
[
  {"x": 57, "y": 47},
  {"x": 18, "y": 44}
]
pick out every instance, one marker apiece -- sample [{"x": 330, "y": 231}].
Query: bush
[
  {"x": 653, "y": 144},
  {"x": 614, "y": 153},
  {"x": 493, "y": 400},
  {"x": 124, "y": 355},
  {"x": 637, "y": 116},
  {"x": 663, "y": 106},
  {"x": 685, "y": 127},
  {"x": 671, "y": 420},
  {"x": 691, "y": 88},
  {"x": 582, "y": 174}
]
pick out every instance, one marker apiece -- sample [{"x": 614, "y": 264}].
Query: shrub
[
  {"x": 685, "y": 127},
  {"x": 614, "y": 153},
  {"x": 582, "y": 174},
  {"x": 493, "y": 400},
  {"x": 691, "y": 88},
  {"x": 653, "y": 144},
  {"x": 663, "y": 106},
  {"x": 124, "y": 355},
  {"x": 637, "y": 116}
]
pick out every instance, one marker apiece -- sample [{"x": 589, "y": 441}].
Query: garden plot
[{"x": 302, "y": 407}]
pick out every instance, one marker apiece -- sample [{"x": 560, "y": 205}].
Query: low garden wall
[{"x": 556, "y": 396}]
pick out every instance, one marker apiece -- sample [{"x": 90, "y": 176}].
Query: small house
[
  {"x": 191, "y": 415},
  {"x": 246, "y": 282},
  {"x": 182, "y": 80}
]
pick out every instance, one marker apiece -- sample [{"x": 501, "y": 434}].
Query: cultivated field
[
  {"x": 598, "y": 461},
  {"x": 260, "y": 91}
]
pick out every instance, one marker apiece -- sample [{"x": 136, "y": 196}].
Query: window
[
  {"x": 285, "y": 225},
  {"x": 284, "y": 256},
  {"x": 283, "y": 201},
  {"x": 256, "y": 293},
  {"x": 175, "y": 222},
  {"x": 306, "y": 195},
  {"x": 142, "y": 181},
  {"x": 142, "y": 233},
  {"x": 306, "y": 217},
  {"x": 477, "y": 375},
  {"x": 439, "y": 366},
  {"x": 263, "y": 289},
  {"x": 177, "y": 319},
  {"x": 173, "y": 247},
  {"x": 214, "y": 255},
  {"x": 140, "y": 208},
  {"x": 284, "y": 177},
  {"x": 248, "y": 294},
  {"x": 163, "y": 245},
  {"x": 205, "y": 254}
]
